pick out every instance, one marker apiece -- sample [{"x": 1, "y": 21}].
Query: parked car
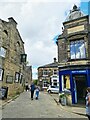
[{"x": 53, "y": 89}]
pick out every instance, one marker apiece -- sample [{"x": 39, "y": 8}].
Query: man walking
[{"x": 32, "y": 90}]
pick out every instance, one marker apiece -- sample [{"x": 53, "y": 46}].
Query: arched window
[
  {"x": 5, "y": 31},
  {"x": 18, "y": 46}
]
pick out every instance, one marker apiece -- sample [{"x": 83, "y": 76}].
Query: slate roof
[{"x": 51, "y": 65}]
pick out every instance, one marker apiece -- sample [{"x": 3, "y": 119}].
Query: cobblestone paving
[{"x": 45, "y": 107}]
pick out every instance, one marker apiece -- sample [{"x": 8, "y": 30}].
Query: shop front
[{"x": 76, "y": 81}]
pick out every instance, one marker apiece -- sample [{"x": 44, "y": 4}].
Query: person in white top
[{"x": 37, "y": 93}]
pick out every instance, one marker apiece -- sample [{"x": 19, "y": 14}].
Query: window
[
  {"x": 9, "y": 79},
  {"x": 18, "y": 46},
  {"x": 2, "y": 52},
  {"x": 17, "y": 76},
  {"x": 77, "y": 49},
  {"x": 1, "y": 74},
  {"x": 55, "y": 82},
  {"x": 45, "y": 72},
  {"x": 65, "y": 82},
  {"x": 55, "y": 72},
  {"x": 45, "y": 84},
  {"x": 5, "y": 31},
  {"x": 20, "y": 77}
]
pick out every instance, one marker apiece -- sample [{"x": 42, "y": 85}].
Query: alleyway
[{"x": 45, "y": 107}]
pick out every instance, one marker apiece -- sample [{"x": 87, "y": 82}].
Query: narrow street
[{"x": 45, "y": 107}]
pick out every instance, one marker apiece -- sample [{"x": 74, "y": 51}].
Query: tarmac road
[{"x": 45, "y": 107}]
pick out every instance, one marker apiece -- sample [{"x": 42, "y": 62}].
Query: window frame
[
  {"x": 77, "y": 43},
  {"x": 45, "y": 72},
  {"x": 1, "y": 74},
  {"x": 17, "y": 77},
  {"x": 55, "y": 72}
]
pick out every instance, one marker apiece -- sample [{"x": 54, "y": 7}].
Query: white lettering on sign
[{"x": 79, "y": 71}]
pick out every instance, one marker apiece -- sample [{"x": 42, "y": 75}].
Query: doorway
[{"x": 80, "y": 86}]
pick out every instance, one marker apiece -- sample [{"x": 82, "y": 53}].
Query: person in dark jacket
[{"x": 32, "y": 90}]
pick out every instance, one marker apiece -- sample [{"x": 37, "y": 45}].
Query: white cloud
[{"x": 38, "y": 23}]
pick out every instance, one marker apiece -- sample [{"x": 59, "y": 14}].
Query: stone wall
[
  {"x": 14, "y": 46},
  {"x": 73, "y": 30}
]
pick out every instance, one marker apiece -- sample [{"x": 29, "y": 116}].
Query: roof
[
  {"x": 51, "y": 65},
  {"x": 74, "y": 14}
]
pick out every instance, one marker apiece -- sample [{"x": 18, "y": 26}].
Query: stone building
[
  {"x": 28, "y": 75},
  {"x": 74, "y": 55},
  {"x": 48, "y": 75},
  {"x": 12, "y": 57}
]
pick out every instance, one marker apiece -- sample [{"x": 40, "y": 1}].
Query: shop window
[
  {"x": 67, "y": 78},
  {"x": 77, "y": 49},
  {"x": 65, "y": 82}
]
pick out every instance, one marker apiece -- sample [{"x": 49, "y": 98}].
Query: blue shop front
[{"x": 75, "y": 80}]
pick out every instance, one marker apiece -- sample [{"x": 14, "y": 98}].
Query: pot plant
[{"x": 62, "y": 98}]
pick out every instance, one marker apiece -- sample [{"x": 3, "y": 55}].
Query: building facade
[
  {"x": 48, "y": 75},
  {"x": 28, "y": 74},
  {"x": 12, "y": 57},
  {"x": 74, "y": 55}
]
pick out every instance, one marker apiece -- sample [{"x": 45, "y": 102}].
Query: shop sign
[{"x": 79, "y": 71}]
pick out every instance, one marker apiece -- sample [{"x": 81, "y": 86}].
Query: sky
[{"x": 39, "y": 24}]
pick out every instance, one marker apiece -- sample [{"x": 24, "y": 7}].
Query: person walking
[
  {"x": 26, "y": 86},
  {"x": 88, "y": 103},
  {"x": 32, "y": 88},
  {"x": 37, "y": 93}
]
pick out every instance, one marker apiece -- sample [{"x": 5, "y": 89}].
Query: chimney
[{"x": 55, "y": 60}]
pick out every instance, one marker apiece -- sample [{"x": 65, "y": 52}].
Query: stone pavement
[
  {"x": 77, "y": 109},
  {"x": 6, "y": 101},
  {"x": 74, "y": 109}
]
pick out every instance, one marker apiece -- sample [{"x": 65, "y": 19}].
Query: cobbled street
[{"x": 45, "y": 107}]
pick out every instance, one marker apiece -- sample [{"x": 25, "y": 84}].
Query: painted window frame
[{"x": 77, "y": 48}]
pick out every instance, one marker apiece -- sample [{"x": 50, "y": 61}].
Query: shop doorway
[{"x": 80, "y": 82}]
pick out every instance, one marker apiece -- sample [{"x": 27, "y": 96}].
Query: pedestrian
[
  {"x": 32, "y": 88},
  {"x": 37, "y": 93},
  {"x": 88, "y": 103},
  {"x": 26, "y": 86}
]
